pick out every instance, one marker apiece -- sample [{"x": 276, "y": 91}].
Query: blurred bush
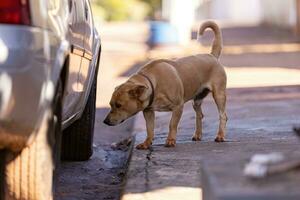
[
  {"x": 154, "y": 7},
  {"x": 120, "y": 10}
]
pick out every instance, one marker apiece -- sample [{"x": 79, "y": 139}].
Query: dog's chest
[{"x": 162, "y": 103}]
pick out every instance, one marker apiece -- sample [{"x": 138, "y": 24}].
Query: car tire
[
  {"x": 28, "y": 175},
  {"x": 77, "y": 139}
]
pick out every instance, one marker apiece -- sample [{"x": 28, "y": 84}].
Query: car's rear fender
[{"x": 30, "y": 66}]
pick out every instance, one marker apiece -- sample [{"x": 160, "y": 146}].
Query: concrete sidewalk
[
  {"x": 260, "y": 121},
  {"x": 262, "y": 109}
]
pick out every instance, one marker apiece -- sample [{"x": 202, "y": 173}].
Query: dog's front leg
[
  {"x": 149, "y": 117},
  {"x": 176, "y": 115}
]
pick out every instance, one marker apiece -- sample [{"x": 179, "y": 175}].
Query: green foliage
[
  {"x": 155, "y": 5},
  {"x": 117, "y": 10}
]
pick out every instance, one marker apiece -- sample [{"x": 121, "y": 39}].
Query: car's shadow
[{"x": 101, "y": 177}]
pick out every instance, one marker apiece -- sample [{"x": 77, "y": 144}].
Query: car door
[
  {"x": 76, "y": 32},
  {"x": 86, "y": 65}
]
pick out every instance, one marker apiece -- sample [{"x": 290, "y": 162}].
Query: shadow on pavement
[
  {"x": 102, "y": 176},
  {"x": 256, "y": 46},
  {"x": 245, "y": 35}
]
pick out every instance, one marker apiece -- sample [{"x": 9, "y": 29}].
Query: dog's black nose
[{"x": 106, "y": 121}]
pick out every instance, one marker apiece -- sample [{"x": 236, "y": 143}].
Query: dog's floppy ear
[{"x": 137, "y": 91}]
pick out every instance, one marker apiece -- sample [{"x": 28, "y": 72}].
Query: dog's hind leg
[
  {"x": 199, "y": 116},
  {"x": 149, "y": 116},
  {"x": 176, "y": 115},
  {"x": 220, "y": 99}
]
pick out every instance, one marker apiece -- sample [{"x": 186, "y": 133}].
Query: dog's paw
[
  {"x": 170, "y": 143},
  {"x": 219, "y": 139},
  {"x": 196, "y": 138},
  {"x": 142, "y": 146}
]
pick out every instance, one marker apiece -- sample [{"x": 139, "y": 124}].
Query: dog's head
[{"x": 127, "y": 100}]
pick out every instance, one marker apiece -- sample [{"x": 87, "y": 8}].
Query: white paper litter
[
  {"x": 258, "y": 165},
  {"x": 255, "y": 170},
  {"x": 267, "y": 158}
]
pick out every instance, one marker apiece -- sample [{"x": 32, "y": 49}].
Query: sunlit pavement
[{"x": 262, "y": 109}]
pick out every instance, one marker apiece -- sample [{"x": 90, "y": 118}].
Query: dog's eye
[{"x": 118, "y": 105}]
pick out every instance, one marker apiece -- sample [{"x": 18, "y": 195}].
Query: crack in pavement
[{"x": 148, "y": 156}]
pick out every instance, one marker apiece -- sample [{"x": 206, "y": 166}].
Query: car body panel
[
  {"x": 28, "y": 77},
  {"x": 89, "y": 57},
  {"x": 51, "y": 15},
  {"x": 31, "y": 62},
  {"x": 75, "y": 35}
]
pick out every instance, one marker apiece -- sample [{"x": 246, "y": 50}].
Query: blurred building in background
[
  {"x": 183, "y": 14},
  {"x": 274, "y": 12}
]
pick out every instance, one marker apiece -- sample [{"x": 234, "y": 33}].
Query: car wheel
[
  {"x": 28, "y": 175},
  {"x": 77, "y": 139}
]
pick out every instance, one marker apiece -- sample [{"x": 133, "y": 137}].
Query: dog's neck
[{"x": 152, "y": 88}]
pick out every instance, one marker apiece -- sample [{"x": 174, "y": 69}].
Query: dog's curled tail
[{"x": 217, "y": 43}]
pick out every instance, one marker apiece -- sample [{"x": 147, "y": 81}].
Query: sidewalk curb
[
  {"x": 130, "y": 154},
  {"x": 127, "y": 164}
]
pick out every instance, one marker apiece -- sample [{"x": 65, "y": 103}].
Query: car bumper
[{"x": 25, "y": 86}]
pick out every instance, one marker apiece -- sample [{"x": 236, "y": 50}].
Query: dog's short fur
[{"x": 165, "y": 85}]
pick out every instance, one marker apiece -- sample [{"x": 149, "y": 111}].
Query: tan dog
[{"x": 165, "y": 85}]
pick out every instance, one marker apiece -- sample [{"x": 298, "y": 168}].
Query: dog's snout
[{"x": 107, "y": 121}]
